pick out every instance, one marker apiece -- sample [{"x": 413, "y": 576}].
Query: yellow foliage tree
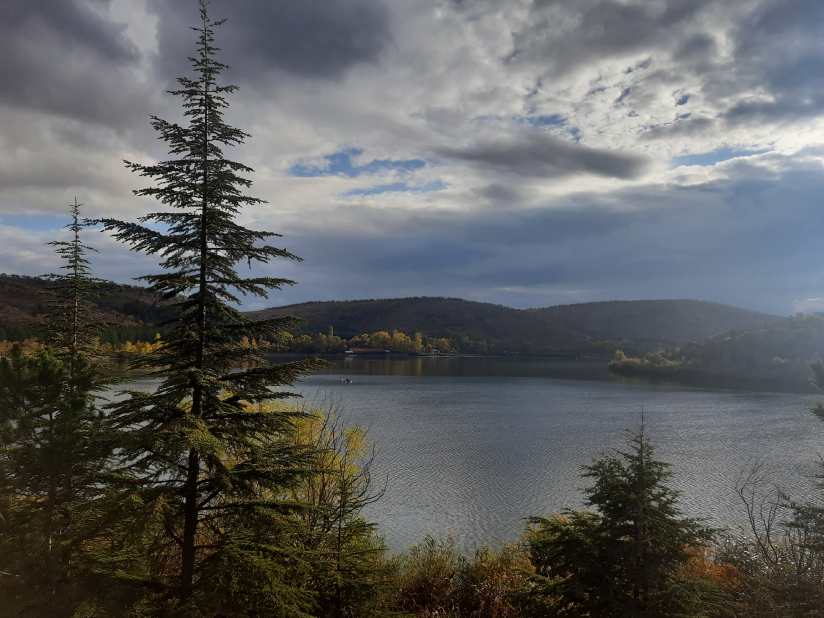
[
  {"x": 350, "y": 571},
  {"x": 400, "y": 342},
  {"x": 380, "y": 340}
]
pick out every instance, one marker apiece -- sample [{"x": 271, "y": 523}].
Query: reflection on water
[
  {"x": 470, "y": 366},
  {"x": 472, "y": 446}
]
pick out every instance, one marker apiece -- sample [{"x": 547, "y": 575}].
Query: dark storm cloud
[
  {"x": 310, "y": 38},
  {"x": 780, "y": 50},
  {"x": 544, "y": 156},
  {"x": 61, "y": 57},
  {"x": 603, "y": 28},
  {"x": 697, "y": 47},
  {"x": 499, "y": 194}
]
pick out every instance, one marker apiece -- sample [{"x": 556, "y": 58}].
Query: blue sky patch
[
  {"x": 624, "y": 94},
  {"x": 399, "y": 186},
  {"x": 555, "y": 120},
  {"x": 576, "y": 134},
  {"x": 534, "y": 121},
  {"x": 340, "y": 163},
  {"x": 711, "y": 158},
  {"x": 39, "y": 223}
]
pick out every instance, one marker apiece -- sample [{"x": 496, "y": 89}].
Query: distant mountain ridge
[
  {"x": 671, "y": 322},
  {"x": 449, "y": 317},
  {"x": 561, "y": 327},
  {"x": 22, "y": 302},
  {"x": 674, "y": 322}
]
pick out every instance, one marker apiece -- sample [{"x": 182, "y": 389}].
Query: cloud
[
  {"x": 696, "y": 47},
  {"x": 321, "y": 39},
  {"x": 398, "y": 187},
  {"x": 498, "y": 193},
  {"x": 63, "y": 57},
  {"x": 778, "y": 57},
  {"x": 681, "y": 127},
  {"x": 711, "y": 158},
  {"x": 542, "y": 155},
  {"x": 548, "y": 226},
  {"x": 566, "y": 35},
  {"x": 749, "y": 238},
  {"x": 513, "y": 152},
  {"x": 809, "y": 305},
  {"x": 343, "y": 163}
]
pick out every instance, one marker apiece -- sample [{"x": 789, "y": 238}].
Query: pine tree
[
  {"x": 617, "y": 559},
  {"x": 52, "y": 459},
  {"x": 204, "y": 451},
  {"x": 72, "y": 329},
  {"x": 32, "y": 487}
]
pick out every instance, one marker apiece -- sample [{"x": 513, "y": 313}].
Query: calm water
[{"x": 470, "y": 447}]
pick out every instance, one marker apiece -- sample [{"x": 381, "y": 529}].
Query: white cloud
[
  {"x": 809, "y": 305},
  {"x": 469, "y": 87}
]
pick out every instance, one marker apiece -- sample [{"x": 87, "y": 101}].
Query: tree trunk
[{"x": 190, "y": 513}]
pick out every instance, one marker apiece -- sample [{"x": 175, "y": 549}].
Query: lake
[{"x": 472, "y": 446}]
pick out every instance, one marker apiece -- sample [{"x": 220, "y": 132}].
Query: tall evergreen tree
[
  {"x": 51, "y": 461},
  {"x": 617, "y": 559},
  {"x": 203, "y": 451},
  {"x": 34, "y": 444}
]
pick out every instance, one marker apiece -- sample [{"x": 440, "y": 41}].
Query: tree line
[
  {"x": 776, "y": 353},
  {"x": 320, "y": 343},
  {"x": 117, "y": 338},
  {"x": 110, "y": 340}
]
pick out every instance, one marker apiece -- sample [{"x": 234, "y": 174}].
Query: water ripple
[{"x": 473, "y": 456}]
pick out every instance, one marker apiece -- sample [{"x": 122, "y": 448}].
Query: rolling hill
[
  {"x": 673, "y": 322},
  {"x": 563, "y": 326},
  {"x": 439, "y": 317},
  {"x": 771, "y": 355},
  {"x": 22, "y": 302}
]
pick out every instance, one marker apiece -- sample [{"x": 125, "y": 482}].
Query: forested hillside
[
  {"x": 648, "y": 323},
  {"x": 130, "y": 311},
  {"x": 673, "y": 322},
  {"x": 441, "y": 317},
  {"x": 788, "y": 340},
  {"x": 22, "y": 302},
  {"x": 562, "y": 326},
  {"x": 776, "y": 354}
]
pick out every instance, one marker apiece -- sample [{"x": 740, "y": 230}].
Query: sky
[{"x": 521, "y": 152}]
